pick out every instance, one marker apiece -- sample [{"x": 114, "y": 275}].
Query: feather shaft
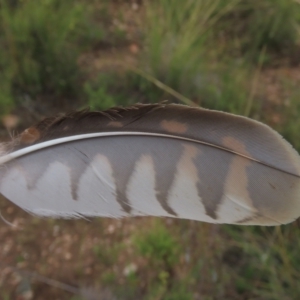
[{"x": 16, "y": 154}]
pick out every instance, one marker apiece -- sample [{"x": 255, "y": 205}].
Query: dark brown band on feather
[{"x": 201, "y": 124}]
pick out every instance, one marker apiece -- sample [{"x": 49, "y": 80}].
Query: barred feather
[{"x": 158, "y": 160}]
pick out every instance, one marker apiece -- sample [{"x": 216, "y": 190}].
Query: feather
[{"x": 153, "y": 160}]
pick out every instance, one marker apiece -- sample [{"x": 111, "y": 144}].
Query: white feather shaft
[{"x": 11, "y": 156}]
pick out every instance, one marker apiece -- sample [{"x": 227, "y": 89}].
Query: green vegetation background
[{"x": 61, "y": 55}]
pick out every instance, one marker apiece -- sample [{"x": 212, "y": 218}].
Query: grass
[
  {"x": 112, "y": 89},
  {"x": 266, "y": 263},
  {"x": 42, "y": 42},
  {"x": 159, "y": 246},
  {"x": 272, "y": 25},
  {"x": 290, "y": 125},
  {"x": 208, "y": 50},
  {"x": 107, "y": 254},
  {"x": 40, "y": 56},
  {"x": 174, "y": 35},
  {"x": 163, "y": 251}
]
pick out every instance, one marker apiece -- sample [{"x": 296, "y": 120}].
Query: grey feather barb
[{"x": 157, "y": 160}]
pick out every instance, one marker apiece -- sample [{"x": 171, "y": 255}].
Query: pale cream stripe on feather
[
  {"x": 236, "y": 203},
  {"x": 51, "y": 195},
  {"x": 97, "y": 190},
  {"x": 183, "y": 196},
  {"x": 141, "y": 191}
]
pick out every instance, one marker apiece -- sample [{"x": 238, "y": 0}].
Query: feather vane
[{"x": 154, "y": 160}]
